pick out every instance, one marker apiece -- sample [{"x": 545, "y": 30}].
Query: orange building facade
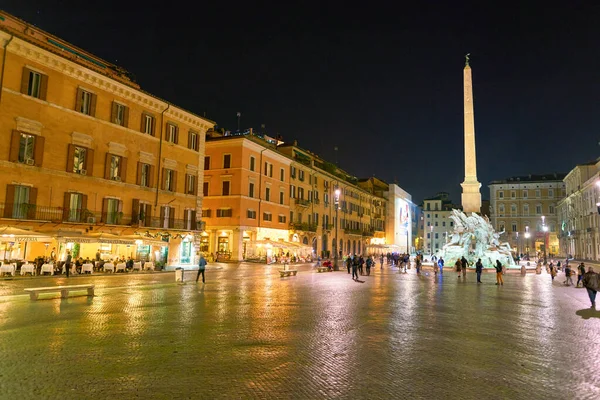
[{"x": 87, "y": 152}]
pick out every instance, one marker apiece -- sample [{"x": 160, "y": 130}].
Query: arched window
[{"x": 525, "y": 209}]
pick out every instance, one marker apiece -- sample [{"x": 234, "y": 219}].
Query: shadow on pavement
[{"x": 588, "y": 313}]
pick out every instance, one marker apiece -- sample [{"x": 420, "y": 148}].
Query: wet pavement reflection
[{"x": 247, "y": 333}]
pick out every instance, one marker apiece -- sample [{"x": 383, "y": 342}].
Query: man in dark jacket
[
  {"x": 580, "y": 273},
  {"x": 499, "y": 280},
  {"x": 590, "y": 282},
  {"x": 68, "y": 262},
  {"x": 355, "y": 268},
  {"x": 463, "y": 266},
  {"x": 478, "y": 269}
]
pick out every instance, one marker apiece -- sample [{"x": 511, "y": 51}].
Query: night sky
[{"x": 384, "y": 85}]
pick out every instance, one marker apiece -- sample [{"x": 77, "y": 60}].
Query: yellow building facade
[{"x": 88, "y": 152}]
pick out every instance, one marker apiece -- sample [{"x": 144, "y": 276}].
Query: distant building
[
  {"x": 520, "y": 206},
  {"x": 436, "y": 224},
  {"x": 578, "y": 220}
]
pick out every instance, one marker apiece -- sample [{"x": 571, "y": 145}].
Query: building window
[
  {"x": 170, "y": 178},
  {"x": 538, "y": 193},
  {"x": 551, "y": 193},
  {"x": 428, "y": 235},
  {"x": 436, "y": 235},
  {"x": 193, "y": 141},
  {"x": 79, "y": 160},
  {"x": 119, "y": 114},
  {"x": 513, "y": 208},
  {"x": 301, "y": 175},
  {"x": 281, "y": 197},
  {"x": 501, "y": 209},
  {"x": 292, "y": 172},
  {"x": 226, "y": 186},
  {"x": 268, "y": 194},
  {"x": 501, "y": 226},
  {"x": 282, "y": 175},
  {"x": 525, "y": 209},
  {"x": 514, "y": 226},
  {"x": 443, "y": 223},
  {"x": 538, "y": 209},
  {"x": 501, "y": 195},
  {"x": 114, "y": 172},
  {"x": 206, "y": 163},
  {"x": 205, "y": 189},
  {"x": 144, "y": 175},
  {"x": 292, "y": 191},
  {"x": 267, "y": 217},
  {"x": 86, "y": 102},
  {"x": 282, "y": 219},
  {"x": 148, "y": 124},
  {"x": 251, "y": 214},
  {"x": 435, "y": 215},
  {"x": 34, "y": 84},
  {"x": 112, "y": 211},
  {"x": 224, "y": 212},
  {"x": 251, "y": 190},
  {"x": 26, "y": 148},
  {"x": 451, "y": 223},
  {"x": 227, "y": 161},
  {"x": 190, "y": 184},
  {"x": 252, "y": 163},
  {"x": 551, "y": 210},
  {"x": 525, "y": 194},
  {"x": 436, "y": 223},
  {"x": 75, "y": 207},
  {"x": 20, "y": 202},
  {"x": 172, "y": 133},
  {"x": 207, "y": 213}
]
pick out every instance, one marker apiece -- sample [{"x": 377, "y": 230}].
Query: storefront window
[
  {"x": 223, "y": 245},
  {"x": 186, "y": 252},
  {"x": 143, "y": 253}
]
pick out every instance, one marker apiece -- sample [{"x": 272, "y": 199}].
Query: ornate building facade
[{"x": 88, "y": 152}]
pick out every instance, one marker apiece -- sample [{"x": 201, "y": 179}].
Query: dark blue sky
[{"x": 384, "y": 85}]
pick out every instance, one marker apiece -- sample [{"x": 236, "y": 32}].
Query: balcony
[
  {"x": 353, "y": 231},
  {"x": 303, "y": 227},
  {"x": 368, "y": 233},
  {"x": 377, "y": 216},
  {"x": 33, "y": 212},
  {"x": 316, "y": 201},
  {"x": 302, "y": 202}
]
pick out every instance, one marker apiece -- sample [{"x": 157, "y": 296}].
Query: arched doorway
[
  {"x": 305, "y": 240},
  {"x": 349, "y": 247},
  {"x": 359, "y": 247}
]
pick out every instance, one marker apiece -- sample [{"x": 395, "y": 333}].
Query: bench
[
  {"x": 288, "y": 272},
  {"x": 323, "y": 269},
  {"x": 64, "y": 290}
]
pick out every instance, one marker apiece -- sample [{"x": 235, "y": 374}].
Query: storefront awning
[{"x": 12, "y": 234}]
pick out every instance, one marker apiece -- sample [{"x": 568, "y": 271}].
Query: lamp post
[
  {"x": 336, "y": 202},
  {"x": 518, "y": 252},
  {"x": 431, "y": 240},
  {"x": 545, "y": 230},
  {"x": 527, "y": 237}
]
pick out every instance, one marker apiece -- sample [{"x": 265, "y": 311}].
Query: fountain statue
[{"x": 474, "y": 237}]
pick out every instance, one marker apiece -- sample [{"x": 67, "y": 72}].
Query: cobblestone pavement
[{"x": 247, "y": 333}]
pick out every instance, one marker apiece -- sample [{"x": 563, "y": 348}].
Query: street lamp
[
  {"x": 527, "y": 237},
  {"x": 431, "y": 240},
  {"x": 545, "y": 229},
  {"x": 518, "y": 252},
  {"x": 336, "y": 202}
]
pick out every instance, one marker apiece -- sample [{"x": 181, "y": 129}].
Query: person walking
[
  {"x": 580, "y": 273},
  {"x": 418, "y": 264},
  {"x": 68, "y": 262},
  {"x": 381, "y": 260},
  {"x": 478, "y": 269},
  {"x": 499, "y": 279},
  {"x": 463, "y": 266},
  {"x": 440, "y": 264},
  {"x": 590, "y": 282},
  {"x": 457, "y": 266},
  {"x": 201, "y": 268},
  {"x": 349, "y": 263},
  {"x": 355, "y": 268},
  {"x": 361, "y": 263},
  {"x": 553, "y": 272},
  {"x": 568, "y": 272},
  {"x": 369, "y": 264}
]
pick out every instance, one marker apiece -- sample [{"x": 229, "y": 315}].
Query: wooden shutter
[
  {"x": 15, "y": 142},
  {"x": 9, "y": 201},
  {"x": 176, "y": 135},
  {"x": 195, "y": 193},
  {"x": 93, "y": 104},
  {"x": 151, "y": 176},
  {"x": 163, "y": 180},
  {"x": 79, "y": 100},
  {"x": 138, "y": 175},
  {"x": 113, "y": 112},
  {"x": 31, "y": 212},
  {"x": 153, "y": 126},
  {"x": 83, "y": 210},
  {"x": 43, "y": 87},
  {"x": 172, "y": 217},
  {"x": 71, "y": 157},
  {"x": 107, "y": 166},
  {"x": 142, "y": 122},
  {"x": 185, "y": 218},
  {"x": 190, "y": 140},
  {"x": 25, "y": 80},
  {"x": 126, "y": 117},
  {"x": 104, "y": 209},
  {"x": 66, "y": 206},
  {"x": 148, "y": 221},
  {"x": 123, "y": 169},
  {"x": 185, "y": 189},
  {"x": 174, "y": 181},
  {"x": 89, "y": 162},
  {"x": 135, "y": 211},
  {"x": 194, "y": 222},
  {"x": 38, "y": 150},
  {"x": 162, "y": 216}
]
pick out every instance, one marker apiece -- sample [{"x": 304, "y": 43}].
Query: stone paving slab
[{"x": 247, "y": 333}]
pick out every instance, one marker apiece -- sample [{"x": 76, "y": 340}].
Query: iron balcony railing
[{"x": 303, "y": 227}]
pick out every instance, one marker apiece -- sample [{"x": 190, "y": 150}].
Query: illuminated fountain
[{"x": 474, "y": 237}]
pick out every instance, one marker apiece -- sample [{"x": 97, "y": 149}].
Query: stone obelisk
[{"x": 471, "y": 197}]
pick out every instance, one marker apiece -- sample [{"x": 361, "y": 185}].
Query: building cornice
[{"x": 43, "y": 57}]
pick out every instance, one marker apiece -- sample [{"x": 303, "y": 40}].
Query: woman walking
[{"x": 499, "y": 279}]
